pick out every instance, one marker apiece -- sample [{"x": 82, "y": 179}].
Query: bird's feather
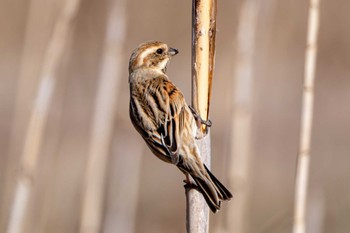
[{"x": 163, "y": 103}]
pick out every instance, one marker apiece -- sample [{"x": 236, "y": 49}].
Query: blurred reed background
[{"x": 87, "y": 170}]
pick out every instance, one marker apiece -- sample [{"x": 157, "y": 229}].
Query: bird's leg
[
  {"x": 189, "y": 184},
  {"x": 199, "y": 122},
  {"x": 199, "y": 118},
  {"x": 187, "y": 181}
]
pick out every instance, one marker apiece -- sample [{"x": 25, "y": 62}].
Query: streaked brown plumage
[{"x": 160, "y": 114}]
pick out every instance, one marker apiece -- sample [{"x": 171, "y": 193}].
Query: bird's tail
[{"x": 213, "y": 191}]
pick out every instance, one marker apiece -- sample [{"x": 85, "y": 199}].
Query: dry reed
[
  {"x": 38, "y": 118},
  {"x": 302, "y": 172},
  {"x": 242, "y": 115},
  {"x": 103, "y": 120},
  {"x": 203, "y": 53}
]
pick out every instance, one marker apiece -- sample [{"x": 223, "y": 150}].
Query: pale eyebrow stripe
[{"x": 145, "y": 54}]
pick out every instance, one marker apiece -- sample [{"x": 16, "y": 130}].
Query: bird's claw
[
  {"x": 189, "y": 185},
  {"x": 199, "y": 119}
]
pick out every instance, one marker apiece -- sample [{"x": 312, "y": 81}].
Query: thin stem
[
  {"x": 38, "y": 118},
  {"x": 103, "y": 120},
  {"x": 306, "y": 120},
  {"x": 242, "y": 114}
]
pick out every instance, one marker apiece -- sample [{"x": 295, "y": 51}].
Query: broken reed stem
[
  {"x": 38, "y": 118},
  {"x": 302, "y": 172},
  {"x": 203, "y": 55},
  {"x": 104, "y": 114}
]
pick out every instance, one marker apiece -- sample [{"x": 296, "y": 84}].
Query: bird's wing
[
  {"x": 170, "y": 104},
  {"x": 163, "y": 104}
]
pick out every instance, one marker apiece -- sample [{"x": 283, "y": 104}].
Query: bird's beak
[{"x": 173, "y": 51}]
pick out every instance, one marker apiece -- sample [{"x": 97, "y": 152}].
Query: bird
[{"x": 168, "y": 125}]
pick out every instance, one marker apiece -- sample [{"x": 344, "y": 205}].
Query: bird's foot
[
  {"x": 188, "y": 184},
  {"x": 199, "y": 119}
]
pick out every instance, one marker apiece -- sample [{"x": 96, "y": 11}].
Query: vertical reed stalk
[
  {"x": 38, "y": 118},
  {"x": 203, "y": 54},
  {"x": 242, "y": 114},
  {"x": 302, "y": 172},
  {"x": 103, "y": 119}
]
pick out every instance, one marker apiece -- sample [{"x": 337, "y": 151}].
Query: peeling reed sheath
[
  {"x": 203, "y": 55},
  {"x": 302, "y": 172},
  {"x": 37, "y": 122}
]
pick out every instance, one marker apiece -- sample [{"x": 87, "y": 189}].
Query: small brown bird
[{"x": 159, "y": 112}]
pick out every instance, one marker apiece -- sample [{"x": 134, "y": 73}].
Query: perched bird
[{"x": 169, "y": 126}]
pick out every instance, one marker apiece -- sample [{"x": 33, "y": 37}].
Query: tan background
[{"x": 156, "y": 188}]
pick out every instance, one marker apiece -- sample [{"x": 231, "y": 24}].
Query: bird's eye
[{"x": 159, "y": 51}]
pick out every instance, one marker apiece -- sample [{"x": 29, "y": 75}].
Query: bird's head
[{"x": 151, "y": 55}]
